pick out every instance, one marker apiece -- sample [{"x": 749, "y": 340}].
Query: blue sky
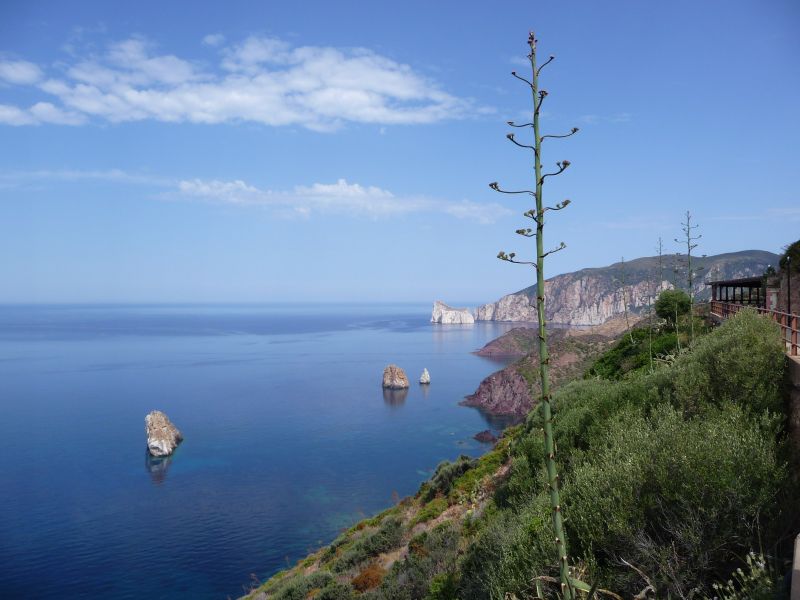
[{"x": 339, "y": 151}]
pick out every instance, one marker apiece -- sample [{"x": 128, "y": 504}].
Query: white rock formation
[
  {"x": 162, "y": 436},
  {"x": 394, "y": 378},
  {"x": 448, "y": 315},
  {"x": 425, "y": 377}
]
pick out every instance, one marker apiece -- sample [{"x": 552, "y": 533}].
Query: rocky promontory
[
  {"x": 593, "y": 296},
  {"x": 394, "y": 378},
  {"x": 162, "y": 436},
  {"x": 447, "y": 315},
  {"x": 513, "y": 391}
]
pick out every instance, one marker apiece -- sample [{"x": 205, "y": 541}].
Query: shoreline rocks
[
  {"x": 485, "y": 437},
  {"x": 394, "y": 378},
  {"x": 447, "y": 315},
  {"x": 162, "y": 436}
]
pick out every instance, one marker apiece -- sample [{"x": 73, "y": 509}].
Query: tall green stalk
[
  {"x": 537, "y": 215},
  {"x": 691, "y": 244}
]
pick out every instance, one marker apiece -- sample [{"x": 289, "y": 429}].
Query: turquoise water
[{"x": 288, "y": 438}]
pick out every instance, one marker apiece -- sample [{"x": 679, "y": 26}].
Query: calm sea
[{"x": 288, "y": 438}]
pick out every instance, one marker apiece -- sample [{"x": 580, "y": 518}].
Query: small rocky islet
[{"x": 162, "y": 435}]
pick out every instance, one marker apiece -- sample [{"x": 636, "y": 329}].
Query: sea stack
[
  {"x": 162, "y": 436},
  {"x": 447, "y": 315},
  {"x": 425, "y": 377},
  {"x": 394, "y": 378}
]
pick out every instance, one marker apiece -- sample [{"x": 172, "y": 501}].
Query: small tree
[
  {"x": 537, "y": 215},
  {"x": 672, "y": 304}
]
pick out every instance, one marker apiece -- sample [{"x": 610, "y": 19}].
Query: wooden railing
[{"x": 787, "y": 322}]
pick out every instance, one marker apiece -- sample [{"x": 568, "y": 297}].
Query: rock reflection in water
[
  {"x": 157, "y": 467},
  {"x": 395, "y": 398}
]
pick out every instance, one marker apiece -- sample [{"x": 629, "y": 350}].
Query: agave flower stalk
[{"x": 538, "y": 216}]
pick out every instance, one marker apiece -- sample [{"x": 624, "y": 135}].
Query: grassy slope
[{"x": 680, "y": 472}]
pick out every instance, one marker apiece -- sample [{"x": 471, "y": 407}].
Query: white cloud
[
  {"x": 11, "y": 115},
  {"x": 19, "y": 72},
  {"x": 213, "y": 39},
  {"x": 262, "y": 79},
  {"x": 340, "y": 197}
]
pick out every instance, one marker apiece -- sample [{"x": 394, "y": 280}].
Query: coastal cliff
[{"x": 593, "y": 296}]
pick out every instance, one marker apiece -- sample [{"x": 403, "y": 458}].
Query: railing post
[{"x": 793, "y": 320}]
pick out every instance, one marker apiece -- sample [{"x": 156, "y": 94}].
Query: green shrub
[
  {"x": 672, "y": 303},
  {"x": 513, "y": 548},
  {"x": 388, "y": 536},
  {"x": 430, "y": 511},
  {"x": 299, "y": 586},
  {"x": 443, "y": 587},
  {"x": 632, "y": 353},
  {"x": 444, "y": 476},
  {"x": 680, "y": 498},
  {"x": 742, "y": 362},
  {"x": 431, "y": 554},
  {"x": 336, "y": 590}
]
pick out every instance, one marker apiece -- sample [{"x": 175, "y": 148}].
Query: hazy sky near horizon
[{"x": 341, "y": 151}]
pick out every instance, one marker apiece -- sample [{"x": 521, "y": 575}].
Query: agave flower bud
[
  {"x": 543, "y": 93},
  {"x": 510, "y": 136},
  {"x": 494, "y": 185},
  {"x": 575, "y": 130}
]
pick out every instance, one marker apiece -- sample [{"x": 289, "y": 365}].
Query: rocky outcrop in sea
[
  {"x": 447, "y": 315},
  {"x": 162, "y": 436},
  {"x": 394, "y": 378},
  {"x": 425, "y": 378}
]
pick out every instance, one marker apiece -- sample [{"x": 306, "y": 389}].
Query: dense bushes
[
  {"x": 388, "y": 536},
  {"x": 427, "y": 569},
  {"x": 680, "y": 472},
  {"x": 444, "y": 476}
]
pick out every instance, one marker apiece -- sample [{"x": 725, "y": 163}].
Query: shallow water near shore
[{"x": 288, "y": 437}]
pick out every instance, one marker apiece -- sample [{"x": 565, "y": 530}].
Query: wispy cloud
[
  {"x": 260, "y": 79},
  {"x": 340, "y": 197}
]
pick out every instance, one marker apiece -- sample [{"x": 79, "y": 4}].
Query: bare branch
[
  {"x": 538, "y": 105},
  {"x": 523, "y": 125},
  {"x": 510, "y": 258},
  {"x": 566, "y": 135},
  {"x": 510, "y": 136},
  {"x": 554, "y": 250},
  {"x": 562, "y": 165},
  {"x": 563, "y": 204},
  {"x": 545, "y": 63},
  {"x": 494, "y": 185},
  {"x": 514, "y": 73}
]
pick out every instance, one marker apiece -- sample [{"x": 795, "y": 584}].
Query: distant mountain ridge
[{"x": 592, "y": 296}]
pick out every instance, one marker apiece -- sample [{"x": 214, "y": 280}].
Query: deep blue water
[{"x": 288, "y": 438}]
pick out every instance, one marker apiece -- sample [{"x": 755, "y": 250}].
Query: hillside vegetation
[{"x": 671, "y": 478}]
